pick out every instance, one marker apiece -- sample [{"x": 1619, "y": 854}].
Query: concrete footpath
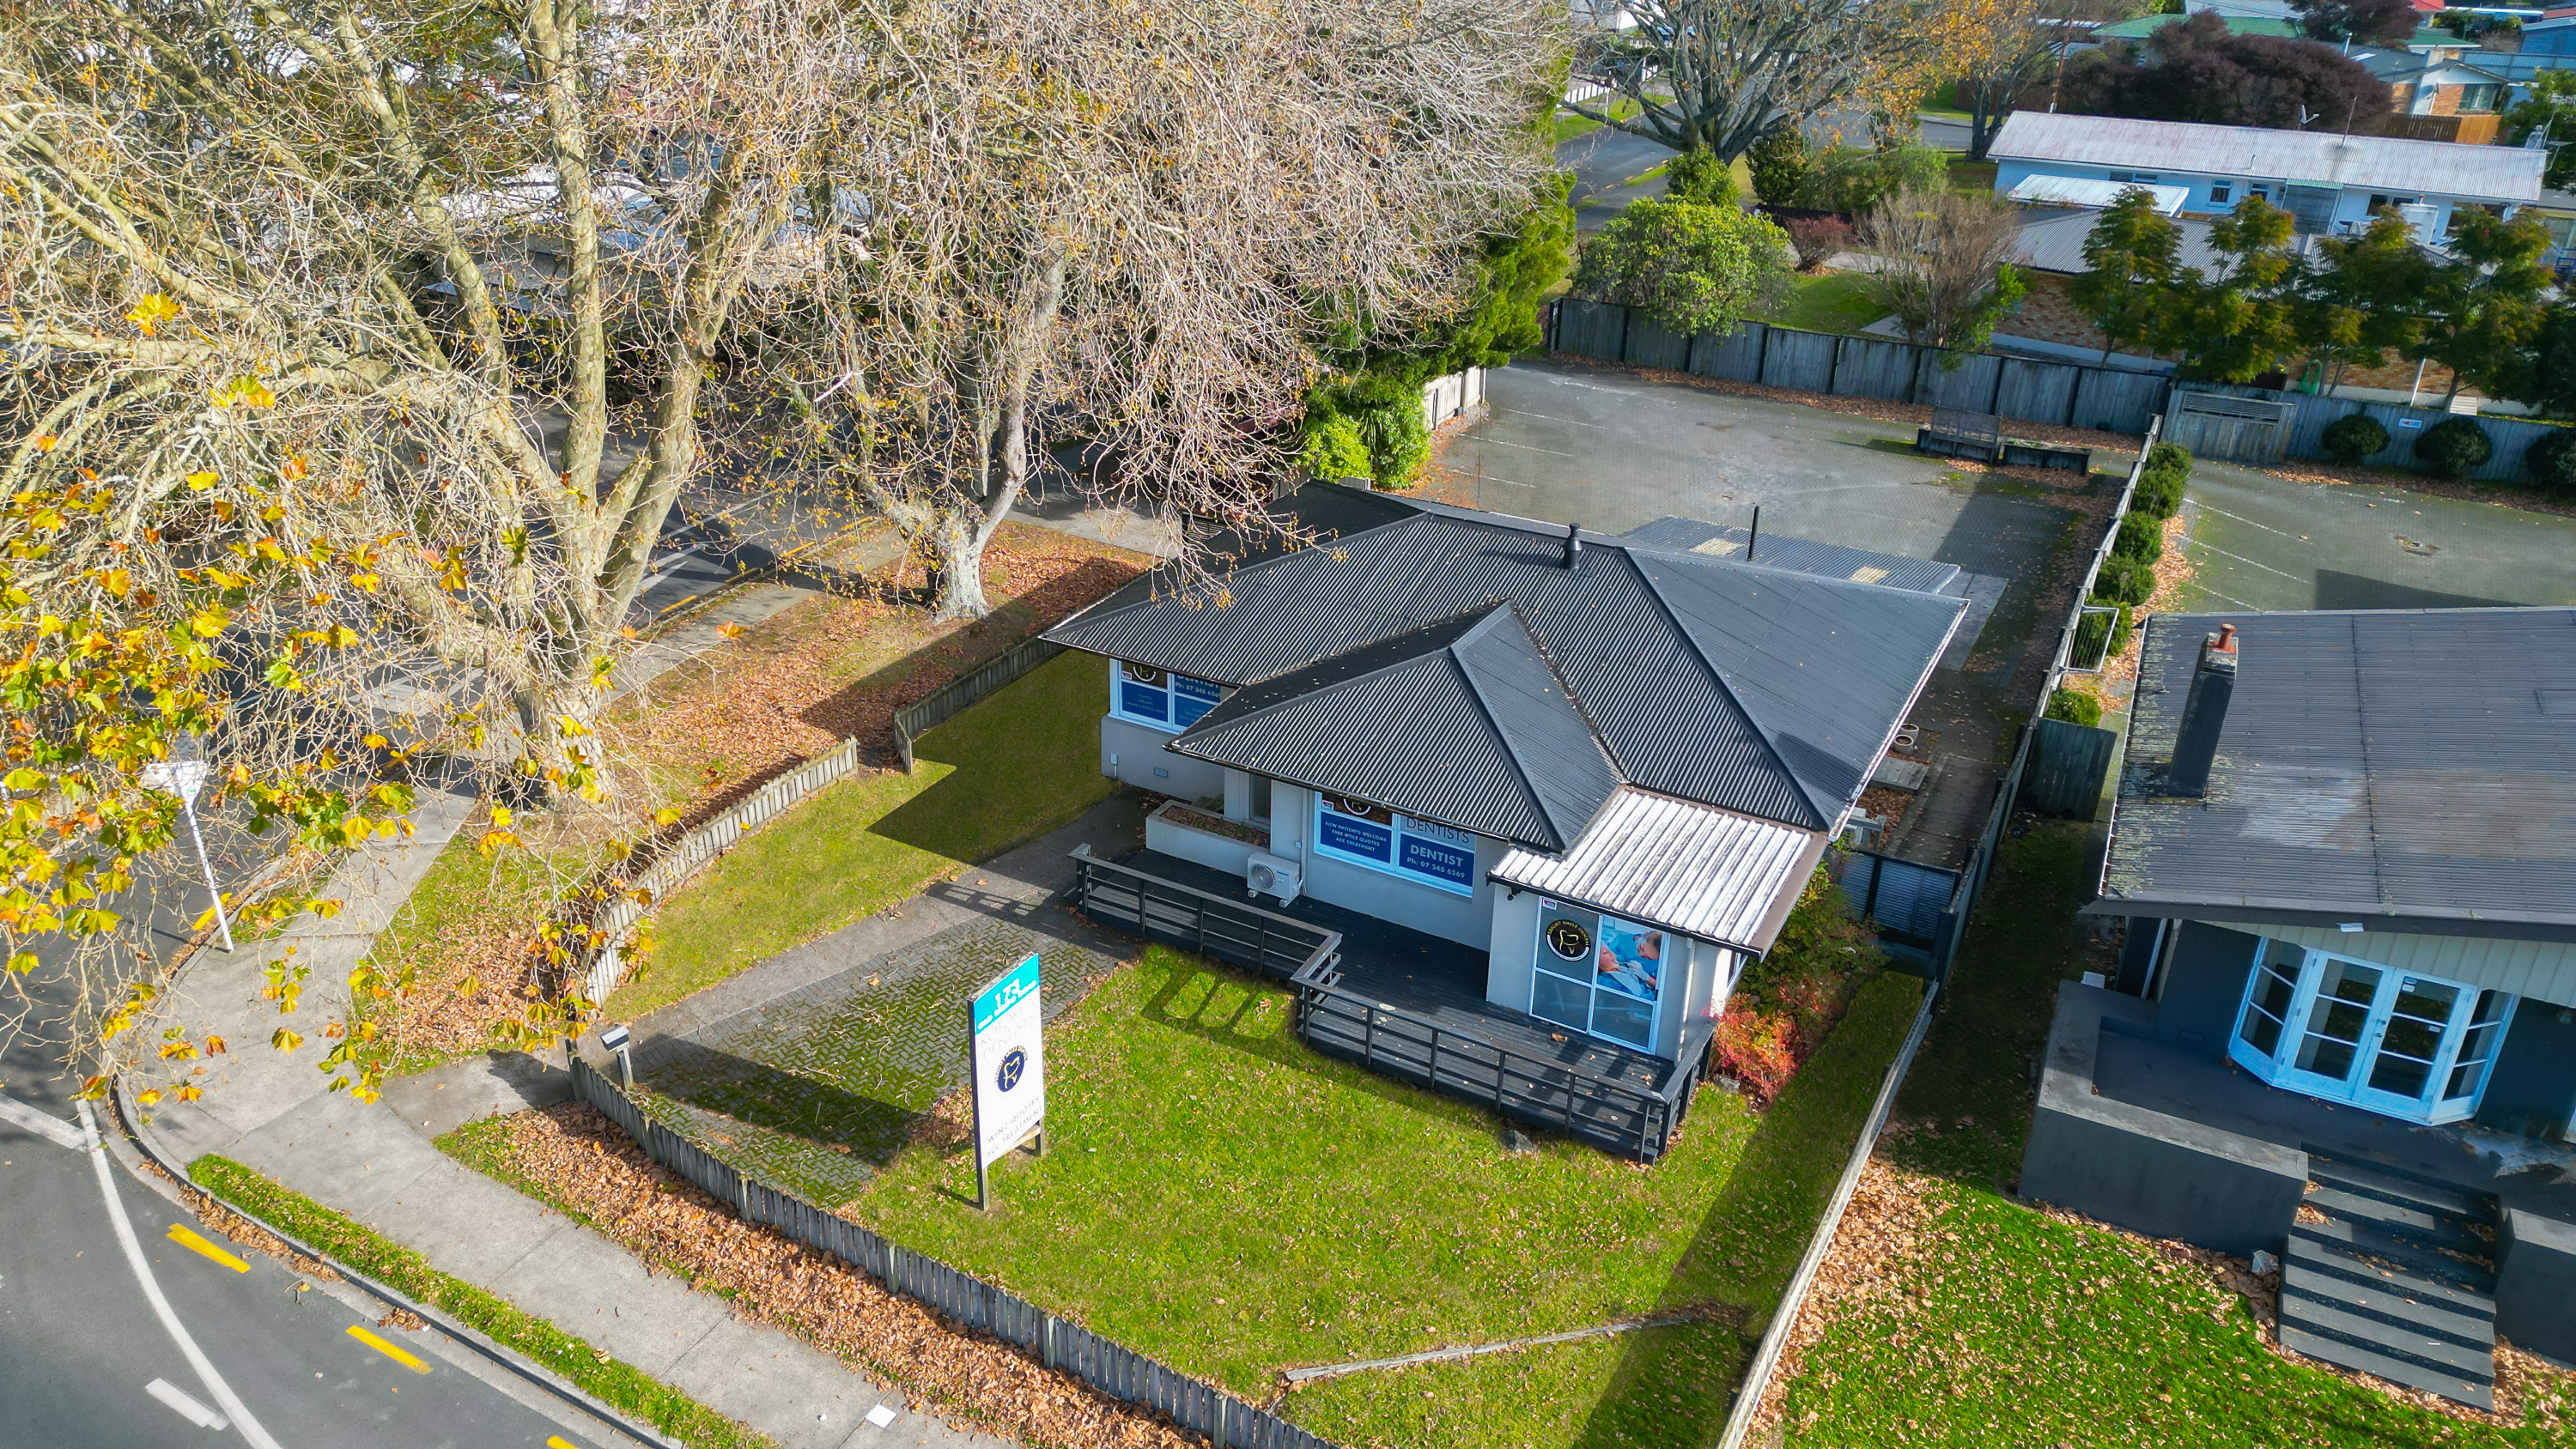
[{"x": 273, "y": 1111}]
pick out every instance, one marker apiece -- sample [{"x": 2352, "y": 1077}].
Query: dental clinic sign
[{"x": 1006, "y": 1025}]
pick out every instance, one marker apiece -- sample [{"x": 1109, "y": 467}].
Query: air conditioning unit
[{"x": 1268, "y": 875}]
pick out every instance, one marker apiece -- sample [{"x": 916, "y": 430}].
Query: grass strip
[{"x": 406, "y": 1272}]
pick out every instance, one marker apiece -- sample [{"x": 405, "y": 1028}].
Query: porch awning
[
  {"x": 2541, "y": 970},
  {"x": 1684, "y": 866}
]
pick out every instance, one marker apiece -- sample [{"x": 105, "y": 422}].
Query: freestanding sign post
[
  {"x": 1005, "y": 1026},
  {"x": 184, "y": 777}
]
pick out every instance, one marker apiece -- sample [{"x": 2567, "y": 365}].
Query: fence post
[
  {"x": 1834, "y": 374},
  {"x": 1995, "y": 399},
  {"x": 1761, "y": 351},
  {"x": 2074, "y": 393},
  {"x": 1690, "y": 349},
  {"x": 1626, "y": 312}
]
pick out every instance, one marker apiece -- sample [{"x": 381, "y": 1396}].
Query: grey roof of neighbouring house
[
  {"x": 2053, "y": 241},
  {"x": 2309, "y": 158},
  {"x": 1802, "y": 555},
  {"x": 2411, "y": 770},
  {"x": 1754, "y": 689}
]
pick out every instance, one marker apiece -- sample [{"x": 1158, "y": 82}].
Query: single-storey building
[
  {"x": 2328, "y": 182},
  {"x": 1584, "y": 777},
  {"x": 2344, "y": 1025}
]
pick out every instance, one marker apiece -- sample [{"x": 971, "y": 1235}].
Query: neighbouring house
[
  {"x": 2343, "y": 1027},
  {"x": 2329, "y": 183},
  {"x": 1549, "y": 789},
  {"x": 2438, "y": 91}
]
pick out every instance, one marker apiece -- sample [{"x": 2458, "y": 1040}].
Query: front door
[{"x": 2400, "y": 1043}]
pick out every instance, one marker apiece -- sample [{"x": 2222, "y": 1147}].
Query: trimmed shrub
[
  {"x": 1333, "y": 449},
  {"x": 2074, "y": 707},
  {"x": 1398, "y": 441},
  {"x": 2159, "y": 496},
  {"x": 1816, "y": 238},
  {"x": 2141, "y": 539},
  {"x": 2350, "y": 439},
  {"x": 1779, "y": 165},
  {"x": 2453, "y": 447},
  {"x": 1700, "y": 176},
  {"x": 2123, "y": 581},
  {"x": 2170, "y": 455},
  {"x": 2102, "y": 637},
  {"x": 2551, "y": 461}
]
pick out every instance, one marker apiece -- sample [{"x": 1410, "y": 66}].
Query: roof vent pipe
[
  {"x": 1573, "y": 544},
  {"x": 2204, "y": 714}
]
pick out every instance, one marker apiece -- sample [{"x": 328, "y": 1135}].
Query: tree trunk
[{"x": 957, "y": 544}]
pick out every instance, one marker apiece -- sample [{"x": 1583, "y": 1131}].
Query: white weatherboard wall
[{"x": 1428, "y": 909}]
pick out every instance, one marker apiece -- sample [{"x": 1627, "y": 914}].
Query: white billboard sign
[{"x": 1007, "y": 1026}]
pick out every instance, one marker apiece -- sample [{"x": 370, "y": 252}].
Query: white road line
[
  {"x": 225, "y": 1398},
  {"x": 1530, "y": 447},
  {"x": 2240, "y": 558},
  {"x": 186, "y": 1407},
  {"x": 2241, "y": 518},
  {"x": 43, "y": 1125},
  {"x": 1553, "y": 418}
]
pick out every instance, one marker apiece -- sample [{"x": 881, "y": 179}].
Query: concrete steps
[{"x": 2397, "y": 1280}]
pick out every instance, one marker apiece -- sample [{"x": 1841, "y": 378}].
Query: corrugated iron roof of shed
[
  {"x": 1684, "y": 866},
  {"x": 1800, "y": 555},
  {"x": 2308, "y": 158}
]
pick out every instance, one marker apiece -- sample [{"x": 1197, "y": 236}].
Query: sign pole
[
  {"x": 188, "y": 807},
  {"x": 983, "y": 1164}
]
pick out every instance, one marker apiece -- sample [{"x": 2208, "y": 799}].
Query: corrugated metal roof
[
  {"x": 1800, "y": 555},
  {"x": 2408, "y": 764},
  {"x": 2092, "y": 191},
  {"x": 2308, "y": 158},
  {"x": 1461, "y": 721},
  {"x": 1743, "y": 686},
  {"x": 2053, "y": 241},
  {"x": 2545, "y": 970},
  {"x": 1687, "y": 867}
]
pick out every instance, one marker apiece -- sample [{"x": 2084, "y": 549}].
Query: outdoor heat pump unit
[{"x": 1268, "y": 875}]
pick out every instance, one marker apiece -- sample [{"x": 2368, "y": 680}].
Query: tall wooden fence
[
  {"x": 2070, "y": 394},
  {"x": 2312, "y": 415},
  {"x": 963, "y": 1299}
]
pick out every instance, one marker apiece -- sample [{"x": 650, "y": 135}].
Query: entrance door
[{"x": 2399, "y": 1043}]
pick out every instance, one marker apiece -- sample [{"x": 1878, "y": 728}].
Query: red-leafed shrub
[
  {"x": 1788, "y": 1001},
  {"x": 1817, "y": 238},
  {"x": 1753, "y": 1047}
]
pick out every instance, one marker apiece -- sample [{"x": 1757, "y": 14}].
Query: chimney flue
[
  {"x": 1573, "y": 544},
  {"x": 2204, "y": 714}
]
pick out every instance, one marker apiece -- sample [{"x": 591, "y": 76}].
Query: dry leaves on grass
[
  {"x": 1881, "y": 1238},
  {"x": 2307, "y": 470},
  {"x": 587, "y": 1164}
]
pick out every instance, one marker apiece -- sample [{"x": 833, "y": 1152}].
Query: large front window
[
  {"x": 1599, "y": 974},
  {"x": 1383, "y": 839},
  {"x": 2397, "y": 1042},
  {"x": 1159, "y": 697}
]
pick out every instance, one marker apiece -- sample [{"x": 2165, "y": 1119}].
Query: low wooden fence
[
  {"x": 2070, "y": 394},
  {"x": 2305, "y": 430},
  {"x": 922, "y": 716},
  {"x": 963, "y": 1299}
]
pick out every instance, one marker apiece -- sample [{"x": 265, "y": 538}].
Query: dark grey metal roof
[
  {"x": 1801, "y": 555},
  {"x": 1737, "y": 685},
  {"x": 1460, "y": 721},
  {"x": 2388, "y": 767}
]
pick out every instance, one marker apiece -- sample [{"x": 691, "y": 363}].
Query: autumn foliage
[{"x": 1788, "y": 1001}]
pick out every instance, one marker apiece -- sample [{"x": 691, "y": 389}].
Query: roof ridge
[
  {"x": 1726, "y": 687},
  {"x": 1488, "y": 607},
  {"x": 1723, "y": 561},
  {"x": 1511, "y": 744},
  {"x": 1087, "y": 616}
]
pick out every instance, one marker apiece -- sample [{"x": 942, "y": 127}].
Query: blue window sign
[
  {"x": 1381, "y": 839},
  {"x": 1161, "y": 698}
]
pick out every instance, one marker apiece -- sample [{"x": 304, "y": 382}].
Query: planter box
[{"x": 1173, "y": 830}]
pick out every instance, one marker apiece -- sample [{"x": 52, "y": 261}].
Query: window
[
  {"x": 1381, "y": 839},
  {"x": 2399, "y": 1043},
  {"x": 2478, "y": 99},
  {"x": 2221, "y": 192},
  {"x": 1159, "y": 698},
  {"x": 2142, "y": 177},
  {"x": 1600, "y": 975},
  {"x": 2385, "y": 203}
]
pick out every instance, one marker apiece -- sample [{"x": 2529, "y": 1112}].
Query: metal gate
[
  {"x": 2238, "y": 429},
  {"x": 1903, "y": 898},
  {"x": 2067, "y": 763}
]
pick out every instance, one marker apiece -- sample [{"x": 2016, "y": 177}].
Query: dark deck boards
[{"x": 1431, "y": 977}]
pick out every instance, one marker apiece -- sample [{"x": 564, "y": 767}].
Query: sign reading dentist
[{"x": 1006, "y": 1028}]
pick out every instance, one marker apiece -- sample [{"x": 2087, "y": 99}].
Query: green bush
[
  {"x": 1700, "y": 176},
  {"x": 2159, "y": 496},
  {"x": 1334, "y": 449},
  {"x": 2170, "y": 455},
  {"x": 2141, "y": 540},
  {"x": 1851, "y": 180},
  {"x": 1397, "y": 439},
  {"x": 1689, "y": 266},
  {"x": 1779, "y": 165},
  {"x": 2454, "y": 446},
  {"x": 2551, "y": 462},
  {"x": 2352, "y": 438},
  {"x": 2123, "y": 581},
  {"x": 2074, "y": 707},
  {"x": 2101, "y": 637}
]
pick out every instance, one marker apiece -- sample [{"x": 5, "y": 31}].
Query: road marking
[
  {"x": 2240, "y": 558},
  {"x": 186, "y": 1407},
  {"x": 1553, "y": 418},
  {"x": 557, "y": 1441},
  {"x": 880, "y": 1416},
  {"x": 225, "y": 1399},
  {"x": 1529, "y": 447},
  {"x": 53, "y": 1129},
  {"x": 196, "y": 1244},
  {"x": 394, "y": 1351}
]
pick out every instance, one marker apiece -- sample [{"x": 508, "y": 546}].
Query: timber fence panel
[
  {"x": 1652, "y": 345},
  {"x": 1803, "y": 360},
  {"x": 2119, "y": 401},
  {"x": 2512, "y": 437},
  {"x": 1737, "y": 356},
  {"x": 953, "y": 698},
  {"x": 1971, "y": 386},
  {"x": 1591, "y": 329},
  {"x": 1873, "y": 367},
  {"x": 2032, "y": 390}
]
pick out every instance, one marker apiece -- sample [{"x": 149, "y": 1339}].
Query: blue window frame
[
  {"x": 1381, "y": 839},
  {"x": 1158, "y": 697},
  {"x": 2398, "y": 1043},
  {"x": 1600, "y": 974}
]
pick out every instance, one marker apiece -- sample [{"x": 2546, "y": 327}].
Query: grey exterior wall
[
  {"x": 1133, "y": 754},
  {"x": 2141, "y": 1169},
  {"x": 1429, "y": 909},
  {"x": 2531, "y": 1090},
  {"x": 1513, "y": 951},
  {"x": 2536, "y": 1283},
  {"x": 2203, "y": 985}
]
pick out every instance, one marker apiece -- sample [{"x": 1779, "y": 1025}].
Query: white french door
[{"x": 2396, "y": 1042}]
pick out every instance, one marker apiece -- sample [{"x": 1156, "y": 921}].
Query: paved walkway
[{"x": 274, "y": 1112}]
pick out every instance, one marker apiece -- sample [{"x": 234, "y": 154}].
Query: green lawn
[
  {"x": 1006, "y": 771},
  {"x": 1569, "y": 125},
  {"x": 2019, "y": 1330},
  {"x": 1222, "y": 1198},
  {"x": 1826, "y": 302}
]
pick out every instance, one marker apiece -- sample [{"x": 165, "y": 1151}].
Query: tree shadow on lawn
[
  {"x": 1675, "y": 1387},
  {"x": 815, "y": 1137}
]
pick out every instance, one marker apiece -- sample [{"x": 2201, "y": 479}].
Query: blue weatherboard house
[{"x": 1553, "y": 788}]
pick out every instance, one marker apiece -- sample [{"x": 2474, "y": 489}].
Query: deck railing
[{"x": 1210, "y": 924}]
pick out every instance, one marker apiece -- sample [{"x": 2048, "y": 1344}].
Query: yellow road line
[
  {"x": 194, "y": 1243},
  {"x": 557, "y": 1441},
  {"x": 398, "y": 1354}
]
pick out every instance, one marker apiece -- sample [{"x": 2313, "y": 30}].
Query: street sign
[
  {"x": 183, "y": 778},
  {"x": 1005, "y": 1030},
  {"x": 614, "y": 1038}
]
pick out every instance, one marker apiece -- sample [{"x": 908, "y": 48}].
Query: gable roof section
[
  {"x": 2307, "y": 158},
  {"x": 1748, "y": 714},
  {"x": 2409, "y": 769},
  {"x": 1459, "y": 721}
]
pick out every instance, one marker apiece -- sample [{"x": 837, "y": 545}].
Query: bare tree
[
  {"x": 1077, "y": 236},
  {"x": 1943, "y": 264}
]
